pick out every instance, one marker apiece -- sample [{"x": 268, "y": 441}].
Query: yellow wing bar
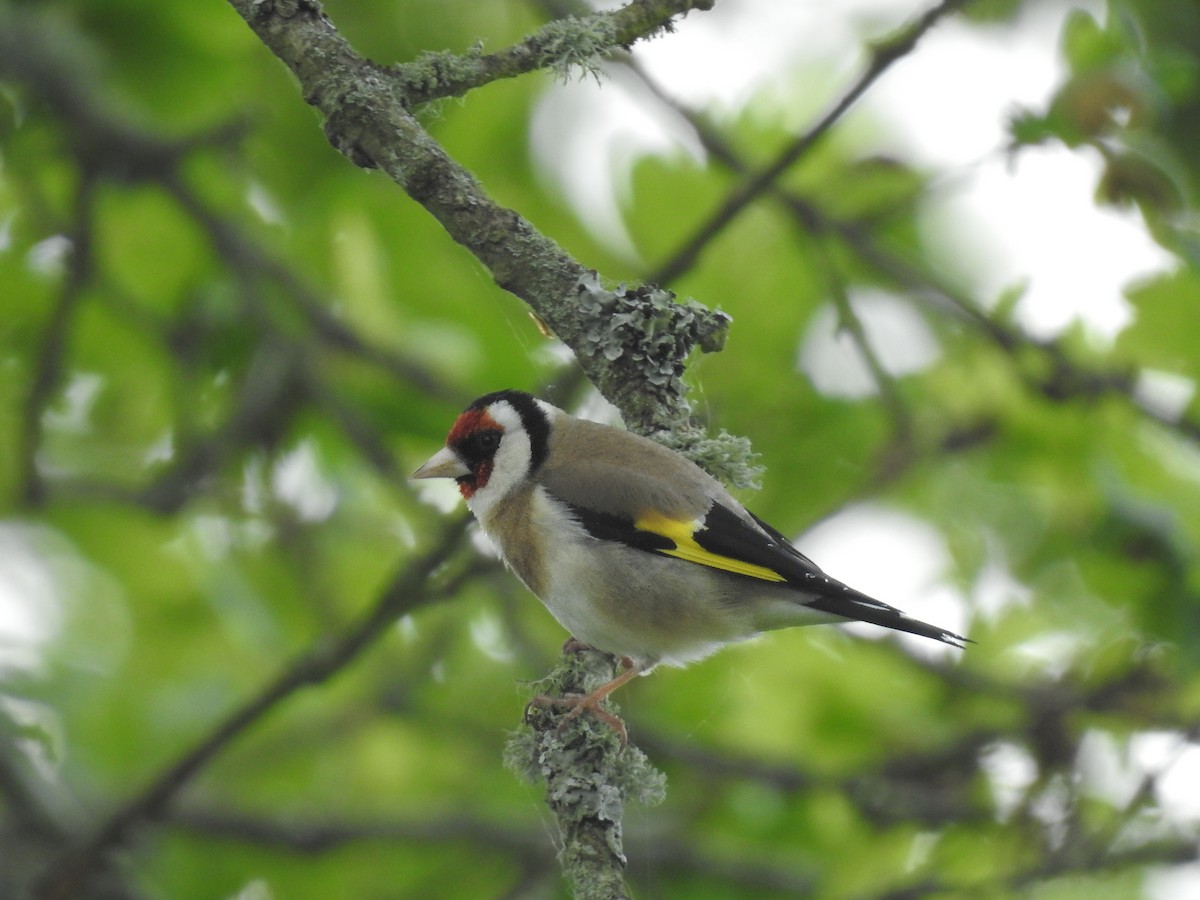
[{"x": 682, "y": 535}]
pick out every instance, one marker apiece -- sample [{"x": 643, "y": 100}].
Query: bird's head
[{"x": 496, "y": 444}]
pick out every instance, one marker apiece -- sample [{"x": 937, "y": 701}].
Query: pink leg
[{"x": 591, "y": 702}]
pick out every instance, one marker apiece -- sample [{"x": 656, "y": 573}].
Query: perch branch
[{"x": 588, "y": 772}]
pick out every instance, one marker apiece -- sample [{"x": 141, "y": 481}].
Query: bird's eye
[{"x": 488, "y": 441}]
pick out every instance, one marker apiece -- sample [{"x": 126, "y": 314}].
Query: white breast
[{"x": 628, "y": 602}]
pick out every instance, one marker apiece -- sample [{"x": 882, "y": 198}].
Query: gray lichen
[
  {"x": 424, "y": 74},
  {"x": 727, "y": 457},
  {"x": 588, "y": 772},
  {"x": 647, "y": 335},
  {"x": 648, "y": 331},
  {"x": 572, "y": 44}
]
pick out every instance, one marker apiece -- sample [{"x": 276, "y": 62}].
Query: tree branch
[
  {"x": 410, "y": 589},
  {"x": 49, "y": 371},
  {"x": 312, "y": 838},
  {"x": 1055, "y": 375},
  {"x": 367, "y": 118},
  {"x": 884, "y": 54},
  {"x": 588, "y": 772},
  {"x": 573, "y": 42}
]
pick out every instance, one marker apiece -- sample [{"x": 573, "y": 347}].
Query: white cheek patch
[{"x": 510, "y": 465}]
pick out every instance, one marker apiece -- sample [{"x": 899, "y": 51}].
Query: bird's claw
[{"x": 576, "y": 704}]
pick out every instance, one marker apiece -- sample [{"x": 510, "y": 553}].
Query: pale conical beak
[{"x": 443, "y": 464}]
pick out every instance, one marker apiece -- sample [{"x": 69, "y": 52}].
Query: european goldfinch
[{"x": 633, "y": 548}]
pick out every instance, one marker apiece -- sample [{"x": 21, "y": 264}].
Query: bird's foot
[{"x": 577, "y": 704}]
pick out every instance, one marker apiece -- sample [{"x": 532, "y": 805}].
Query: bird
[{"x": 632, "y": 547}]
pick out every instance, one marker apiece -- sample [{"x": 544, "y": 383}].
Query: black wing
[{"x": 726, "y": 541}]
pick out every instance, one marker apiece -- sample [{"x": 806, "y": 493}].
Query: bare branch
[
  {"x": 884, "y": 54},
  {"x": 49, "y": 372}
]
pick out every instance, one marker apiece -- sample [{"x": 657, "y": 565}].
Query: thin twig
[
  {"x": 848, "y": 321},
  {"x": 49, "y": 370},
  {"x": 884, "y": 54},
  {"x": 311, "y": 838},
  {"x": 1061, "y": 379},
  {"x": 248, "y": 257},
  {"x": 570, "y": 41}
]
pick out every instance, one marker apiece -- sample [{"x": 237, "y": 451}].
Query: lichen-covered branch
[
  {"x": 567, "y": 45},
  {"x": 632, "y": 342},
  {"x": 588, "y": 773},
  {"x": 367, "y": 117}
]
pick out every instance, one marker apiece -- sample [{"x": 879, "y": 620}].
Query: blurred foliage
[{"x": 223, "y": 347}]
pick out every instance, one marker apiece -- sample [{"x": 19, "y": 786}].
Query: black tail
[{"x": 858, "y": 607}]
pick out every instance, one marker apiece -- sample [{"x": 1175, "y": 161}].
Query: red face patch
[
  {"x": 468, "y": 423},
  {"x": 469, "y": 484},
  {"x": 470, "y": 426}
]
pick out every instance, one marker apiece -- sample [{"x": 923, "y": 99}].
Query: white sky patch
[
  {"x": 923, "y": 844},
  {"x": 440, "y": 493},
  {"x": 946, "y": 105},
  {"x": 995, "y": 590},
  {"x": 488, "y": 635},
  {"x": 50, "y": 593},
  {"x": 297, "y": 481},
  {"x": 1164, "y": 883},
  {"x": 482, "y": 543},
  {"x": 895, "y": 332},
  {"x": 1052, "y": 806},
  {"x": 407, "y": 628},
  {"x": 31, "y": 613},
  {"x": 728, "y": 54},
  {"x": 1107, "y": 771},
  {"x": 38, "y": 734},
  {"x": 1036, "y": 223},
  {"x": 1166, "y": 393},
  {"x": 586, "y": 138},
  {"x": 1034, "y": 220},
  {"x": 72, "y": 412},
  {"x": 161, "y": 451},
  {"x": 595, "y": 408},
  {"x": 1177, "y": 761},
  {"x": 49, "y": 257},
  {"x": 210, "y": 537},
  {"x": 263, "y": 204},
  {"x": 1010, "y": 770},
  {"x": 255, "y": 889},
  {"x": 1051, "y": 654}
]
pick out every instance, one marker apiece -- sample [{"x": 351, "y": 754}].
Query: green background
[{"x": 223, "y": 348}]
